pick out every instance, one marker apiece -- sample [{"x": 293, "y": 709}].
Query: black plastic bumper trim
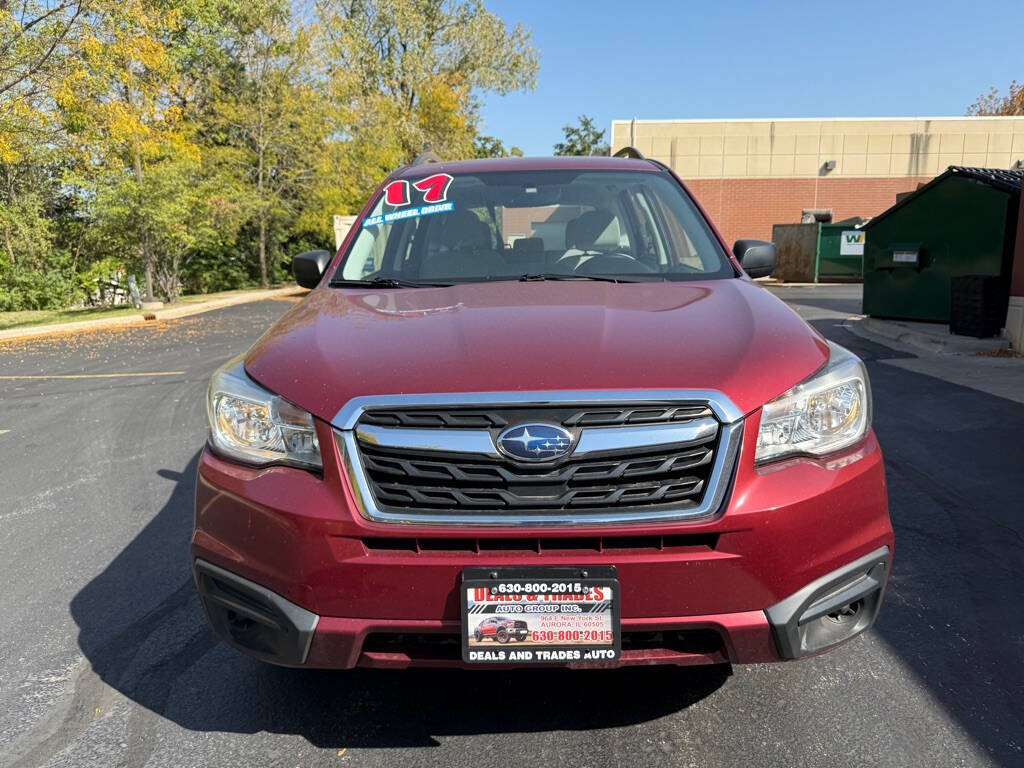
[
  {"x": 863, "y": 579},
  {"x": 281, "y": 631}
]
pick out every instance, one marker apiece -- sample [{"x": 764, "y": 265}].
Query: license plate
[{"x": 540, "y": 615}]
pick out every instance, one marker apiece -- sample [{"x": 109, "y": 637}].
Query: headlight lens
[
  {"x": 253, "y": 425},
  {"x": 827, "y": 412}
]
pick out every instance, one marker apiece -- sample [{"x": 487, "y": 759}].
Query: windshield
[{"x": 441, "y": 229}]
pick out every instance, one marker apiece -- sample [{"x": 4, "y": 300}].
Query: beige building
[{"x": 751, "y": 174}]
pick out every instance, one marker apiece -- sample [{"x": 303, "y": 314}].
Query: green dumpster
[
  {"x": 960, "y": 223},
  {"x": 840, "y": 253},
  {"x": 814, "y": 252}
]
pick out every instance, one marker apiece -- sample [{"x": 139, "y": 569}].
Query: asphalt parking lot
[{"x": 106, "y": 659}]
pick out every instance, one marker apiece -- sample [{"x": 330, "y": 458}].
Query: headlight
[
  {"x": 253, "y": 425},
  {"x": 826, "y": 413}
]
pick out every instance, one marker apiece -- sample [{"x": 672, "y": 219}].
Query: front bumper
[{"x": 285, "y": 545}]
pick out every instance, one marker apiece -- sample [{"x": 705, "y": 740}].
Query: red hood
[{"x": 729, "y": 335}]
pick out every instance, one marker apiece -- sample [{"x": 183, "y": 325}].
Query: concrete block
[
  {"x": 807, "y": 145},
  {"x": 951, "y": 143},
  {"x": 784, "y": 145},
  {"x": 853, "y": 165},
  {"x": 1015, "y": 323},
  {"x": 879, "y": 145},
  {"x": 975, "y": 142},
  {"x": 735, "y": 145},
  {"x": 735, "y": 165},
  {"x": 998, "y": 160},
  {"x": 711, "y": 145},
  {"x": 877, "y": 165},
  {"x": 1000, "y": 142},
  {"x": 806, "y": 165},
  {"x": 855, "y": 144},
  {"x": 783, "y": 165},
  {"x": 710, "y": 166},
  {"x": 759, "y": 165}
]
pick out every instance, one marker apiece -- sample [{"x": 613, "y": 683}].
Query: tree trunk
[
  {"x": 263, "y": 252},
  {"x": 261, "y": 149},
  {"x": 147, "y": 250},
  {"x": 7, "y": 229},
  {"x": 262, "y": 213}
]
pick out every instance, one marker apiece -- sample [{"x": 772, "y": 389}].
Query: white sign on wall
[{"x": 852, "y": 243}]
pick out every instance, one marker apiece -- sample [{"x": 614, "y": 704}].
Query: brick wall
[{"x": 749, "y": 207}]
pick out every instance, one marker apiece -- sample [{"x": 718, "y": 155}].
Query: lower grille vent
[{"x": 688, "y": 543}]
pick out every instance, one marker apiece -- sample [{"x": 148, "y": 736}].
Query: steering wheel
[{"x": 613, "y": 264}]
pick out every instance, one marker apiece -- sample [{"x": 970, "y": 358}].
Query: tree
[
  {"x": 420, "y": 65},
  {"x": 582, "y": 139},
  {"x": 491, "y": 146},
  {"x": 198, "y": 141},
  {"x": 118, "y": 106},
  {"x": 269, "y": 114},
  {"x": 993, "y": 103},
  {"x": 23, "y": 221},
  {"x": 34, "y": 39}
]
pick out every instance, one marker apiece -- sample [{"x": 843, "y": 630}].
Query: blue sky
[{"x": 722, "y": 58}]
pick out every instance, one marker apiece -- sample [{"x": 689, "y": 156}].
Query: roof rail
[
  {"x": 427, "y": 157},
  {"x": 631, "y": 152}
]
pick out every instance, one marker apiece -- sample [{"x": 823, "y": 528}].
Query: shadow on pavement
[
  {"x": 952, "y": 612},
  {"x": 142, "y": 629}
]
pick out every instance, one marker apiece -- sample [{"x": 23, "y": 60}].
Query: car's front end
[{"x": 702, "y": 484}]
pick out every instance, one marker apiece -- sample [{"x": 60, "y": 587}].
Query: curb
[
  {"x": 929, "y": 342},
  {"x": 170, "y": 313}
]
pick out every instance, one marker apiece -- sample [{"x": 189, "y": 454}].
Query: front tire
[{"x": 502, "y": 636}]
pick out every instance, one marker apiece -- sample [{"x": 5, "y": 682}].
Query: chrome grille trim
[
  {"x": 592, "y": 439},
  {"x": 721, "y": 406},
  {"x": 598, "y": 439},
  {"x": 456, "y": 440},
  {"x": 731, "y": 429}
]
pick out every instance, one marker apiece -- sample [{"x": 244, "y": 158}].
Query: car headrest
[
  {"x": 592, "y": 230},
  {"x": 463, "y": 229}
]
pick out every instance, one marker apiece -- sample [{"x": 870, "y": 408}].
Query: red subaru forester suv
[{"x": 542, "y": 390}]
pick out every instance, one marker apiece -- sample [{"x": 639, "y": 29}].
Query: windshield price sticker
[{"x": 535, "y": 620}]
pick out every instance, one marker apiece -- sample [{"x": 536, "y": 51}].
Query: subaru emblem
[{"x": 535, "y": 442}]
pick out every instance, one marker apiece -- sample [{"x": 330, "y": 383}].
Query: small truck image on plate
[{"x": 500, "y": 628}]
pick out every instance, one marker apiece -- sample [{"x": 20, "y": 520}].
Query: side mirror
[
  {"x": 309, "y": 267},
  {"x": 755, "y": 256}
]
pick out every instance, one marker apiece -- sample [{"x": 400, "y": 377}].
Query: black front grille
[{"x": 409, "y": 482}]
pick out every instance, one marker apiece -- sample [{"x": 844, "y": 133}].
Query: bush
[
  {"x": 208, "y": 273},
  {"x": 28, "y": 289}
]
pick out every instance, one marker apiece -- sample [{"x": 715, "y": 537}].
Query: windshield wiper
[
  {"x": 384, "y": 282},
  {"x": 530, "y": 277}
]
